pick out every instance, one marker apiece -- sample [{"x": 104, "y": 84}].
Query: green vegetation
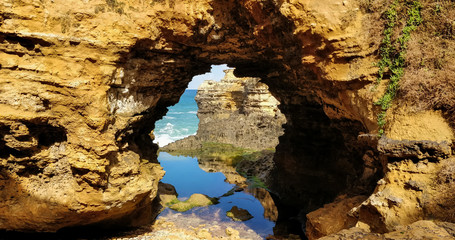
[
  {"x": 227, "y": 153},
  {"x": 387, "y": 47},
  {"x": 174, "y": 201},
  {"x": 253, "y": 181},
  {"x": 196, "y": 200},
  {"x": 393, "y": 52},
  {"x": 256, "y": 182}
]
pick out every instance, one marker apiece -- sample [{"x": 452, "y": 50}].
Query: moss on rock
[{"x": 196, "y": 200}]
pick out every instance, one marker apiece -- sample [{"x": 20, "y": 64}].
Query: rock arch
[
  {"x": 107, "y": 71},
  {"x": 102, "y": 72}
]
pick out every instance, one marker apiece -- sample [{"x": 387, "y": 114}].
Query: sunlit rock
[
  {"x": 195, "y": 200},
  {"x": 82, "y": 83}
]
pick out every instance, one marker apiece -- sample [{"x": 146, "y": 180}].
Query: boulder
[
  {"x": 239, "y": 214},
  {"x": 195, "y": 200}
]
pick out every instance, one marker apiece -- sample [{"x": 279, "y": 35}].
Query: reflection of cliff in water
[
  {"x": 186, "y": 175},
  {"x": 239, "y": 126},
  {"x": 270, "y": 210},
  {"x": 233, "y": 177},
  {"x": 231, "y": 174}
]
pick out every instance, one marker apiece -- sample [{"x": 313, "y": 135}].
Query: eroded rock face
[
  {"x": 82, "y": 82},
  {"x": 410, "y": 189},
  {"x": 333, "y": 217},
  {"x": 236, "y": 111},
  {"x": 418, "y": 230}
]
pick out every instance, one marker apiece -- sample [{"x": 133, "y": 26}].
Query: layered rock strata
[
  {"x": 82, "y": 83},
  {"x": 237, "y": 111}
]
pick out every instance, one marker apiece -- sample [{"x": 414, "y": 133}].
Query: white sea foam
[
  {"x": 164, "y": 139},
  {"x": 168, "y": 129},
  {"x": 183, "y": 118},
  {"x": 170, "y": 134}
]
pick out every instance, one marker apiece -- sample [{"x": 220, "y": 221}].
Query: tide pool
[{"x": 188, "y": 178}]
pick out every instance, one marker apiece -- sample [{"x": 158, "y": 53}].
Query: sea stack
[{"x": 237, "y": 111}]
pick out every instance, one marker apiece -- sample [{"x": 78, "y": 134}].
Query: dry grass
[
  {"x": 375, "y": 22},
  {"x": 429, "y": 79},
  {"x": 447, "y": 173},
  {"x": 374, "y": 6},
  {"x": 439, "y": 204}
]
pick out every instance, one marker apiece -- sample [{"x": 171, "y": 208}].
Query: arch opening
[
  {"x": 317, "y": 158},
  {"x": 239, "y": 125},
  {"x": 137, "y": 76},
  {"x": 181, "y": 120}
]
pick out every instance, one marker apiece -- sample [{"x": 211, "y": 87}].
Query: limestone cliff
[
  {"x": 236, "y": 111},
  {"x": 82, "y": 82}
]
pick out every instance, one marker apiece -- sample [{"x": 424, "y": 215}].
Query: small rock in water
[
  {"x": 239, "y": 214},
  {"x": 196, "y": 200},
  {"x": 166, "y": 193}
]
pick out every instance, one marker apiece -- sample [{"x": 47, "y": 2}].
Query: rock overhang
[{"x": 103, "y": 72}]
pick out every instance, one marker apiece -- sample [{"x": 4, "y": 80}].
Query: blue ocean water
[{"x": 180, "y": 121}]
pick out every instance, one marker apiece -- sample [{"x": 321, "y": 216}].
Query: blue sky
[{"x": 215, "y": 74}]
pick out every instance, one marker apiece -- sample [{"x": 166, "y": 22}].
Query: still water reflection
[{"x": 185, "y": 174}]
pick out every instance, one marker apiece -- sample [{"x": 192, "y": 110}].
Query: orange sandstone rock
[{"x": 82, "y": 83}]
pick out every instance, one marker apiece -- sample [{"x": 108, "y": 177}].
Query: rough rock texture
[
  {"x": 412, "y": 149},
  {"x": 82, "y": 83},
  {"x": 419, "y": 230},
  {"x": 408, "y": 192},
  {"x": 332, "y": 217},
  {"x": 261, "y": 167},
  {"x": 166, "y": 193},
  {"x": 237, "y": 111}
]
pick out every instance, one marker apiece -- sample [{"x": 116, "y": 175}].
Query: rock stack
[{"x": 237, "y": 111}]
